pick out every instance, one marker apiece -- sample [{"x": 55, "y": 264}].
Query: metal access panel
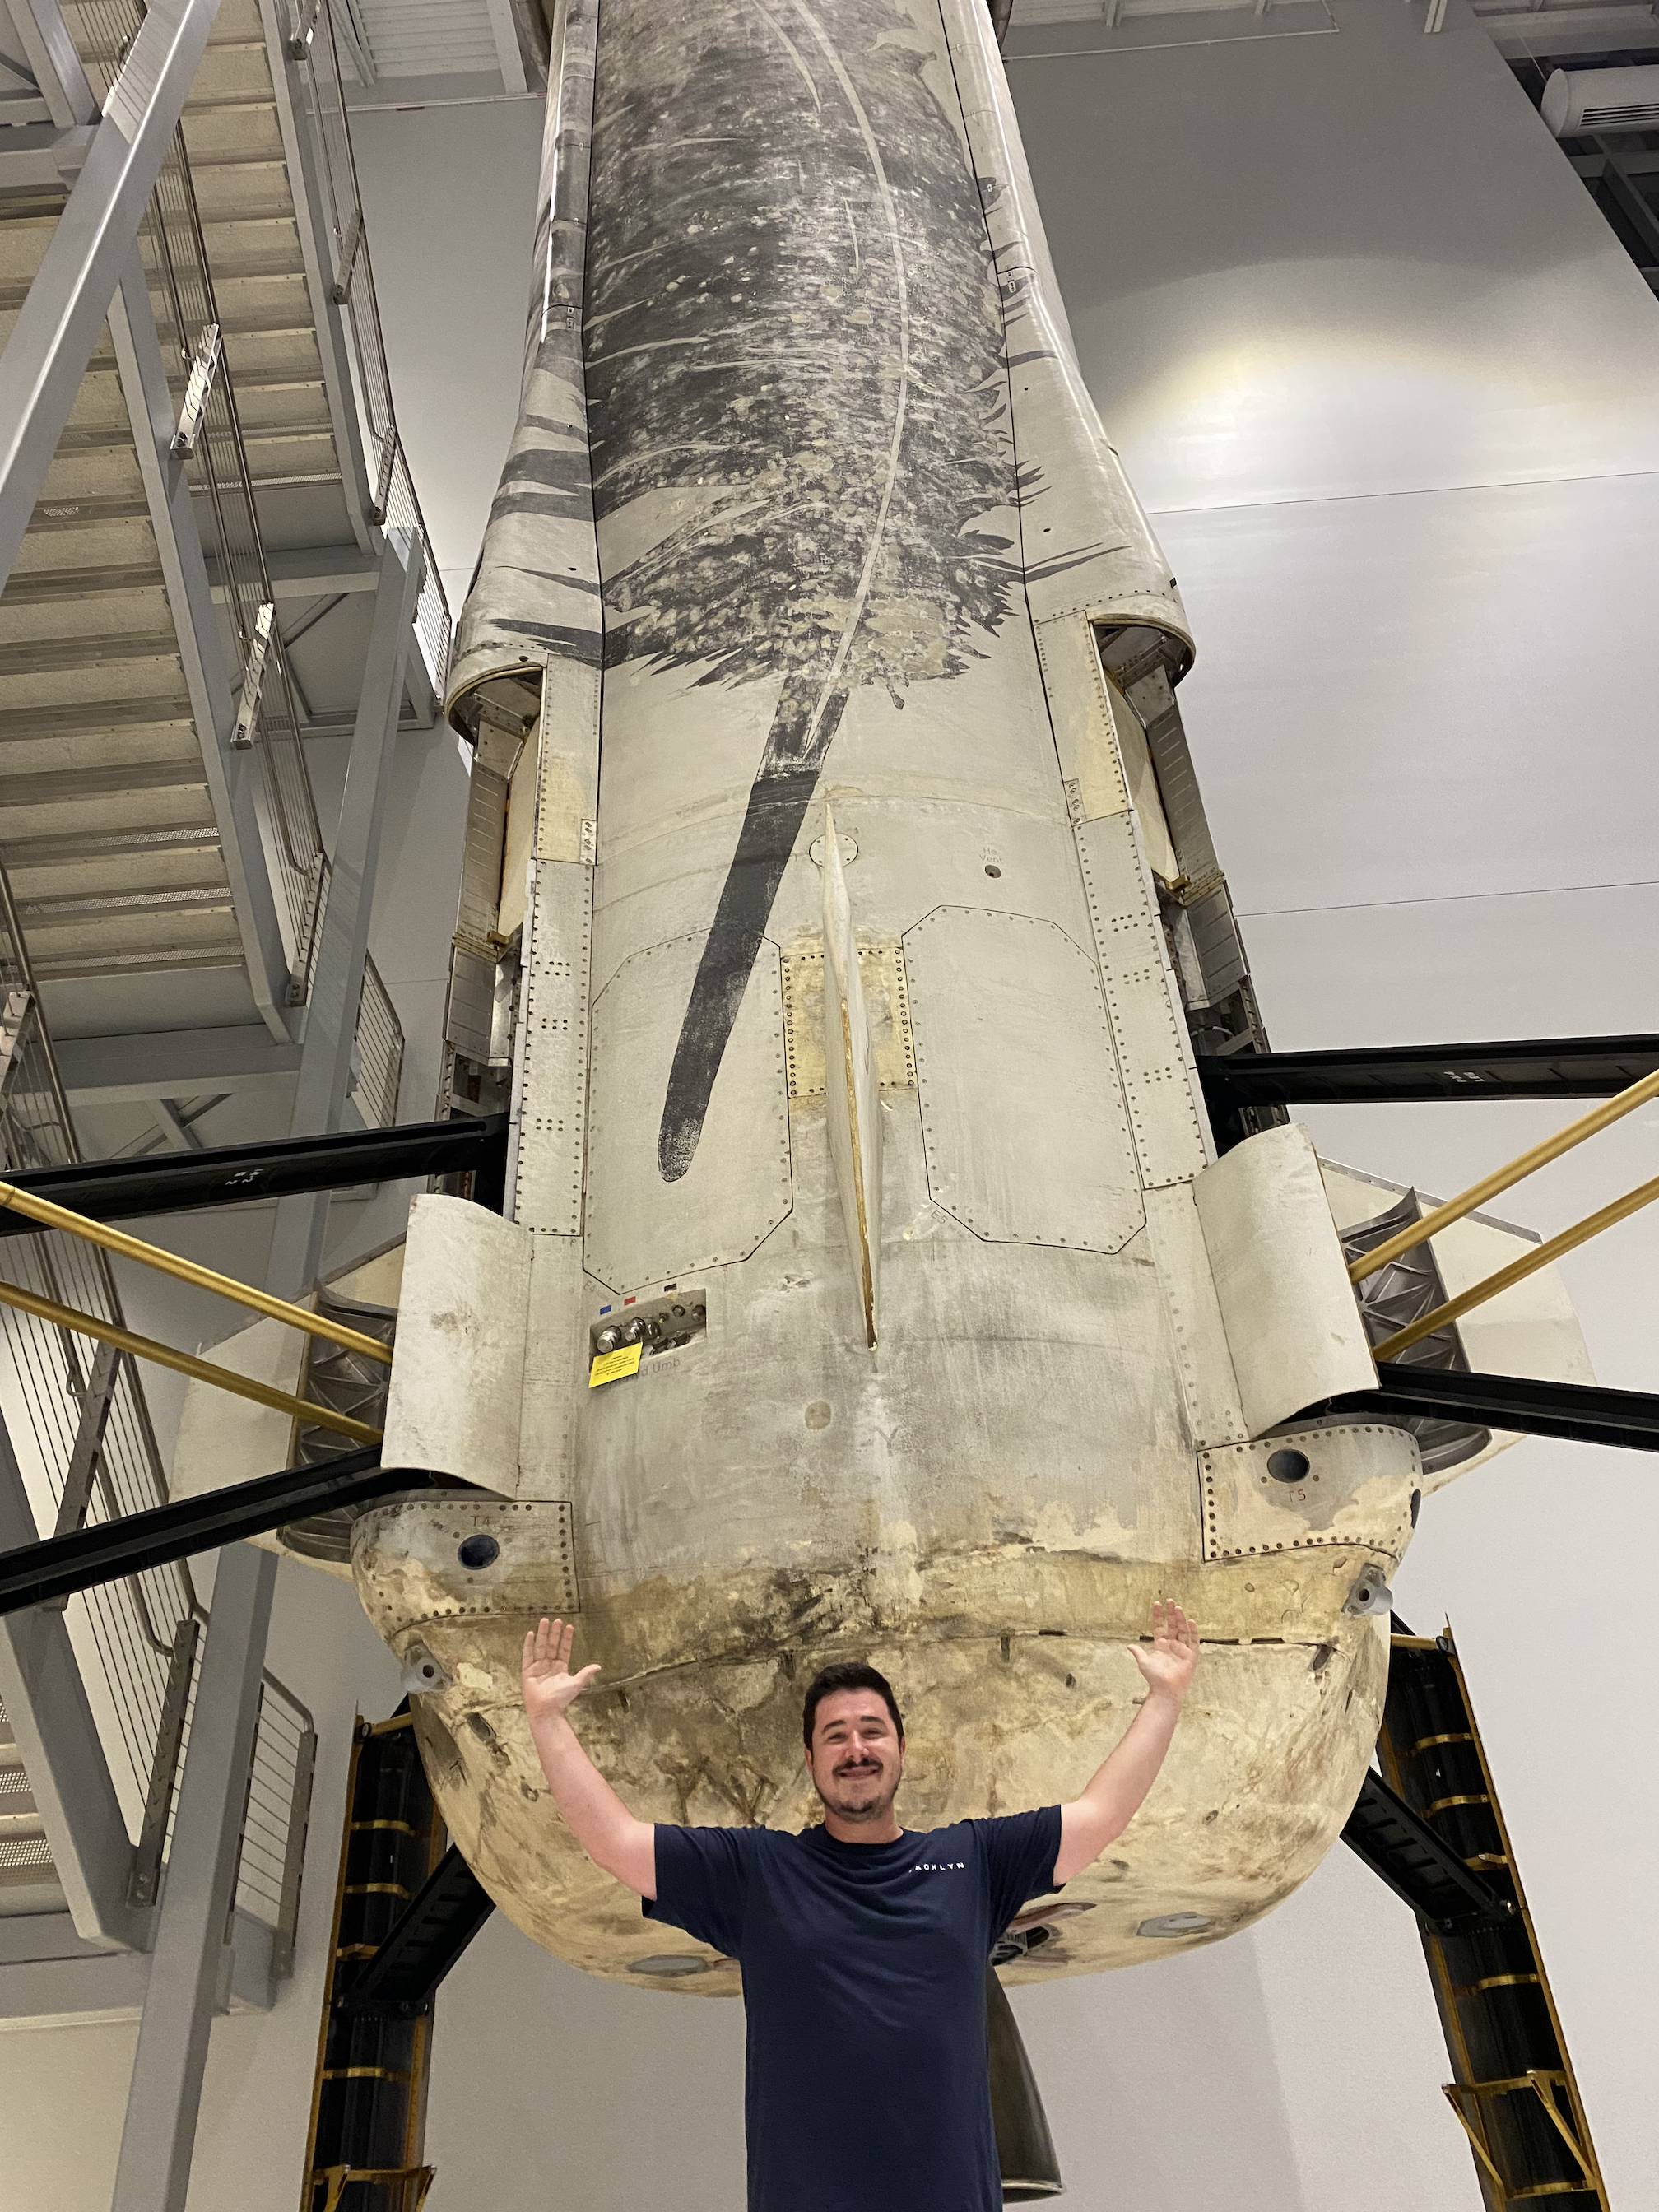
[
  {"x": 1014, "y": 1062},
  {"x": 739, "y": 1186}
]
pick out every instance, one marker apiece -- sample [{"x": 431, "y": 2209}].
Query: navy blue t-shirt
[{"x": 867, "y": 2088}]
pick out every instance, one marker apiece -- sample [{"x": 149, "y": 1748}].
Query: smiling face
[{"x": 856, "y": 1757}]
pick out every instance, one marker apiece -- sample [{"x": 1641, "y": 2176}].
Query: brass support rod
[
  {"x": 185, "y": 1363},
  {"x": 1613, "y": 1110},
  {"x": 1545, "y": 2097},
  {"x": 186, "y": 1271},
  {"x": 1517, "y": 1270},
  {"x": 1448, "y": 2091}
]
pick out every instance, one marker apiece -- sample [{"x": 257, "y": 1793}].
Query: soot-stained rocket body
[
  {"x": 793, "y": 316},
  {"x": 1020, "y": 1367}
]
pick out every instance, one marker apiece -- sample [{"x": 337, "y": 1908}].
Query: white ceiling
[
  {"x": 433, "y": 53},
  {"x": 1516, "y": 26}
]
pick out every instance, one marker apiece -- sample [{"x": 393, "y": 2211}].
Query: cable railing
[
  {"x": 377, "y": 1060},
  {"x": 81, "y": 1431},
  {"x": 276, "y": 1807},
  {"x": 78, "y": 1420},
  {"x": 273, "y": 1837},
  {"x": 315, "y": 47}
]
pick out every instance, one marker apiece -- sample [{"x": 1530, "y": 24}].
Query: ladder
[
  {"x": 404, "y": 1909},
  {"x": 1435, "y": 1831}
]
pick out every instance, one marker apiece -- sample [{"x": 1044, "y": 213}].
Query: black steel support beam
[
  {"x": 401, "y": 1980},
  {"x": 1541, "y": 1067},
  {"x": 230, "y": 1175},
  {"x": 63, "y": 1565},
  {"x": 1631, "y": 203},
  {"x": 1582, "y": 1411},
  {"x": 1417, "y": 1864}
]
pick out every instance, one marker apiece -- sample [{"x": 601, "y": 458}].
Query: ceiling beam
[
  {"x": 166, "y": 1064},
  {"x": 461, "y": 88}
]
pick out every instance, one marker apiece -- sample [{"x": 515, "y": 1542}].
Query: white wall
[
  {"x": 450, "y": 198},
  {"x": 1395, "y": 394}
]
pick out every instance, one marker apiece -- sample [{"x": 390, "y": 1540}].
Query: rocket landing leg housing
[{"x": 811, "y": 560}]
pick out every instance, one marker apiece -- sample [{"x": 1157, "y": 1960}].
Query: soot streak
[{"x": 793, "y": 313}]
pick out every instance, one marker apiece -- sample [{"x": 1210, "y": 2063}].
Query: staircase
[
  {"x": 115, "y": 822},
  {"x": 28, "y": 1881},
  {"x": 105, "y": 817}
]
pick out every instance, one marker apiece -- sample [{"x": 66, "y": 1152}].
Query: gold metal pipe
[
  {"x": 1517, "y": 1270},
  {"x": 185, "y": 1363},
  {"x": 186, "y": 1271},
  {"x": 1564, "y": 1140}
]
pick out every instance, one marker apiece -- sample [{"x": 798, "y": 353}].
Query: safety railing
[
  {"x": 314, "y": 45},
  {"x": 275, "y": 1820},
  {"x": 377, "y": 1061},
  {"x": 75, "y": 1410},
  {"x": 78, "y": 1420},
  {"x": 181, "y": 284},
  {"x": 377, "y": 1043},
  {"x": 276, "y": 1804}
]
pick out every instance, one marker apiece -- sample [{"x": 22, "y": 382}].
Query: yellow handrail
[
  {"x": 1580, "y": 1233},
  {"x": 187, "y": 1271},
  {"x": 1604, "y": 1115},
  {"x": 185, "y": 1363}
]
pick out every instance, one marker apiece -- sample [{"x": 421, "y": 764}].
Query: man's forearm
[
  {"x": 1119, "y": 1787},
  {"x": 601, "y": 1823}
]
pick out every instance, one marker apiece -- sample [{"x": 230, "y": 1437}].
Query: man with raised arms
[{"x": 863, "y": 1947}]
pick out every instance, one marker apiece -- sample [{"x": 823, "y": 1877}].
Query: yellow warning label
[{"x": 611, "y": 1366}]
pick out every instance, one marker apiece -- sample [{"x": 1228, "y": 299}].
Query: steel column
[
  {"x": 297, "y": 1244},
  {"x": 59, "y": 78},
  {"x": 96, "y": 1404},
  {"x": 193, "y": 1960},
  {"x": 57, "y": 330}
]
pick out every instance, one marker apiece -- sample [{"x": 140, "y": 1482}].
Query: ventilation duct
[{"x": 1580, "y": 103}]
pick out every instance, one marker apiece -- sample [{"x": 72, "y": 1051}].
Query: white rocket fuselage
[{"x": 810, "y": 667}]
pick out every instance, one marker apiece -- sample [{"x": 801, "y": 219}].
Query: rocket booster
[{"x": 838, "y": 911}]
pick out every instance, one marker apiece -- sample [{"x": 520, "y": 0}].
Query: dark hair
[{"x": 846, "y": 1674}]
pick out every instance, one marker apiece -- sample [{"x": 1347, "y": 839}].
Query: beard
[{"x": 864, "y": 1793}]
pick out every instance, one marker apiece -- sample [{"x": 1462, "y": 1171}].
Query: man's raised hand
[
  {"x": 1169, "y": 1665},
  {"x": 550, "y": 1687}
]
